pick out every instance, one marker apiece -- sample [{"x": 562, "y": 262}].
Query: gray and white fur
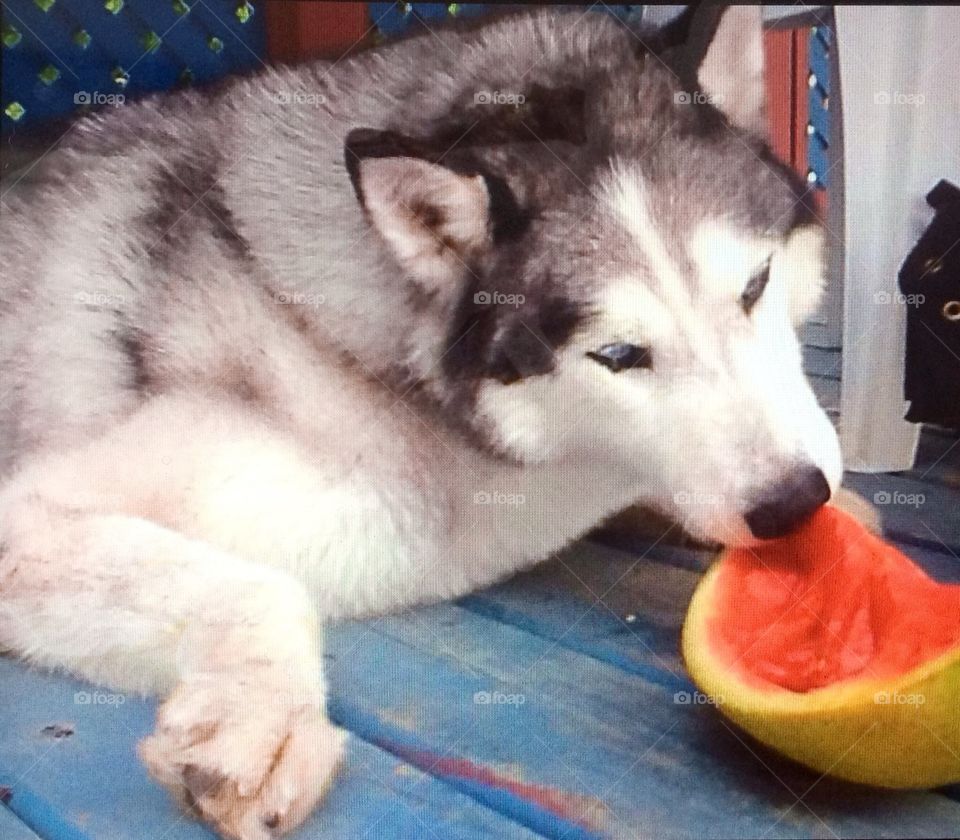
[{"x": 340, "y": 338}]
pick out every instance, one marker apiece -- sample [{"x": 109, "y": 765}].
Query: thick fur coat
[{"x": 337, "y": 339}]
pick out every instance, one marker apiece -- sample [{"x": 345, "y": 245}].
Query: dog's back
[{"x": 165, "y": 227}]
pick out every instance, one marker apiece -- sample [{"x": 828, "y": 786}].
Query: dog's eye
[
  {"x": 755, "y": 286},
  {"x": 622, "y": 356}
]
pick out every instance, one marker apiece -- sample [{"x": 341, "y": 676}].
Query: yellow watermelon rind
[{"x": 875, "y": 732}]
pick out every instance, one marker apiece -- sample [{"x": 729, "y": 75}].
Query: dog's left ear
[
  {"x": 722, "y": 54},
  {"x": 433, "y": 219},
  {"x": 732, "y": 69}
]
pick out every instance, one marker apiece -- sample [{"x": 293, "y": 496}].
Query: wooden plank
[
  {"x": 798, "y": 79},
  {"x": 903, "y": 524},
  {"x": 914, "y": 512},
  {"x": 938, "y": 459},
  {"x": 379, "y": 795},
  {"x": 822, "y": 367},
  {"x": 827, "y": 391},
  {"x": 819, "y": 361},
  {"x": 71, "y": 764},
  {"x": 603, "y": 603},
  {"x": 595, "y": 745},
  {"x": 299, "y": 31},
  {"x": 611, "y": 605},
  {"x": 778, "y": 80},
  {"x": 622, "y": 608},
  {"x": 89, "y": 785},
  {"x": 923, "y": 517},
  {"x": 13, "y": 829}
]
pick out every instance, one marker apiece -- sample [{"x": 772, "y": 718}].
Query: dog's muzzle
[{"x": 786, "y": 505}]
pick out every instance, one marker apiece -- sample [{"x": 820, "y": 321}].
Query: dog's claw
[{"x": 250, "y": 774}]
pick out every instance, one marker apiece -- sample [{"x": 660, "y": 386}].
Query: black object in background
[{"x": 930, "y": 282}]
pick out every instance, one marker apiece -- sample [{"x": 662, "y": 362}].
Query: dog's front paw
[{"x": 252, "y": 762}]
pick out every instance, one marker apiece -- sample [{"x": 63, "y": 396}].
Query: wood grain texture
[
  {"x": 601, "y": 747},
  {"x": 12, "y": 828},
  {"x": 89, "y": 785}
]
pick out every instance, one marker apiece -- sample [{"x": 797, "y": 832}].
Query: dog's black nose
[{"x": 787, "y": 504}]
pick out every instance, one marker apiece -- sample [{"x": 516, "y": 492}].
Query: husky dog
[{"x": 337, "y": 339}]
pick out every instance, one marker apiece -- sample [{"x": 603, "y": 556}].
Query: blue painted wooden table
[{"x": 554, "y": 705}]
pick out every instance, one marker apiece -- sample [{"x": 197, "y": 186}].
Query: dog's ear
[
  {"x": 720, "y": 51},
  {"x": 731, "y": 71},
  {"x": 434, "y": 220}
]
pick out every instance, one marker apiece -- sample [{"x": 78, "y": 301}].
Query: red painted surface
[
  {"x": 786, "y": 57},
  {"x": 778, "y": 56},
  {"x": 297, "y": 31},
  {"x": 785, "y": 53},
  {"x": 801, "y": 103},
  {"x": 569, "y": 806}
]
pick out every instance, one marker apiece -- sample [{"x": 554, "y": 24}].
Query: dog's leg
[{"x": 242, "y": 738}]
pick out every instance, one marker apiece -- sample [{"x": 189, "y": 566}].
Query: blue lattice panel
[
  {"x": 818, "y": 120},
  {"x": 394, "y": 18},
  {"x": 59, "y": 55}
]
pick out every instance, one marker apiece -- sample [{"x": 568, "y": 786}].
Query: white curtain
[{"x": 899, "y": 103}]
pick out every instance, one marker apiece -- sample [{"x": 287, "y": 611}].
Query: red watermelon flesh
[{"x": 829, "y": 603}]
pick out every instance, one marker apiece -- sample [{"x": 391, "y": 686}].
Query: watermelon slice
[{"x": 833, "y": 647}]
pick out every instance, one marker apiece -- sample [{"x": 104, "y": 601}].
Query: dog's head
[{"x": 620, "y": 266}]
